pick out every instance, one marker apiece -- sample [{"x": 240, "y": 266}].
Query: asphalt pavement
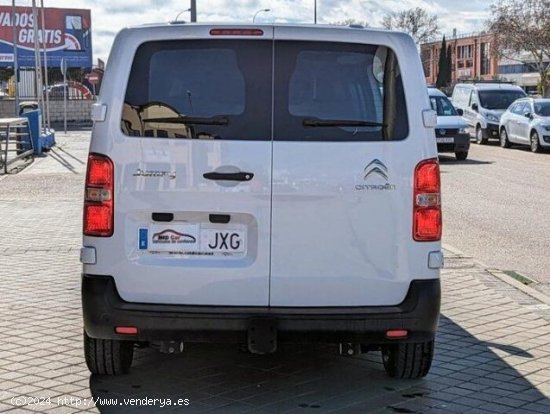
[{"x": 496, "y": 208}]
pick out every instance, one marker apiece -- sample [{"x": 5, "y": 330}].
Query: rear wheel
[
  {"x": 108, "y": 357},
  {"x": 535, "y": 143},
  {"x": 504, "y": 141},
  {"x": 403, "y": 360},
  {"x": 479, "y": 136},
  {"x": 461, "y": 155}
]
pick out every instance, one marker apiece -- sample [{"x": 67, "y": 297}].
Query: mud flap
[{"x": 262, "y": 335}]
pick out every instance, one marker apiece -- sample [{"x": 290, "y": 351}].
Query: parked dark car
[{"x": 451, "y": 131}]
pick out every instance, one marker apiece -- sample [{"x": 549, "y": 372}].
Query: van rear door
[
  {"x": 192, "y": 157},
  {"x": 343, "y": 162}
]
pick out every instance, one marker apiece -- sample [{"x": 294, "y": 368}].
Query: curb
[{"x": 535, "y": 294}]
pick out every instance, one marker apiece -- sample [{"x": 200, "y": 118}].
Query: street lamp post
[
  {"x": 193, "y": 11},
  {"x": 315, "y": 12},
  {"x": 259, "y": 11}
]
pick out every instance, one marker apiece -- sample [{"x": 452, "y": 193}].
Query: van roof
[
  {"x": 247, "y": 25},
  {"x": 490, "y": 86}
]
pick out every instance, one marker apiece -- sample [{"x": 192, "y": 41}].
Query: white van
[
  {"x": 482, "y": 104},
  {"x": 258, "y": 185}
]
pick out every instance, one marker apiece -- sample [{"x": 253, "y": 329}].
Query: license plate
[
  {"x": 223, "y": 241},
  {"x": 194, "y": 239},
  {"x": 446, "y": 140}
]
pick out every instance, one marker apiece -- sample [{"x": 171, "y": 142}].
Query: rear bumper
[
  {"x": 461, "y": 144},
  {"x": 104, "y": 309}
]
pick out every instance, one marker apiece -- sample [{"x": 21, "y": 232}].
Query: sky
[{"x": 109, "y": 16}]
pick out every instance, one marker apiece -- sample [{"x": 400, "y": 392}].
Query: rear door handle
[{"x": 236, "y": 176}]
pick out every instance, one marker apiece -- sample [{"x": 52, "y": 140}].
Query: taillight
[
  {"x": 98, "y": 197},
  {"x": 427, "y": 220}
]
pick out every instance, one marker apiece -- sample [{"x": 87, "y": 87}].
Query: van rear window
[
  {"x": 328, "y": 91},
  {"x": 223, "y": 89},
  {"x": 200, "y": 89}
]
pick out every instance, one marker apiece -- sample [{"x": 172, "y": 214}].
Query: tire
[
  {"x": 410, "y": 361},
  {"x": 108, "y": 357},
  {"x": 479, "y": 136},
  {"x": 535, "y": 142},
  {"x": 461, "y": 156},
  {"x": 504, "y": 141}
]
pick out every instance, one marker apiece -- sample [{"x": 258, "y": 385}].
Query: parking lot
[{"x": 492, "y": 350}]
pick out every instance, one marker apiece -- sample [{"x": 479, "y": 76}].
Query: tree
[
  {"x": 442, "y": 74},
  {"x": 449, "y": 65},
  {"x": 539, "y": 84},
  {"x": 422, "y": 26},
  {"x": 522, "y": 33}
]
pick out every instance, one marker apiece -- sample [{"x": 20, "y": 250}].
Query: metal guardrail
[{"x": 15, "y": 141}]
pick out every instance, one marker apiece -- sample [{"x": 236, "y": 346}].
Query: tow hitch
[
  {"x": 171, "y": 347},
  {"x": 262, "y": 336},
  {"x": 349, "y": 349}
]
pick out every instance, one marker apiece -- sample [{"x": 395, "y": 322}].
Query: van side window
[
  {"x": 338, "y": 92},
  {"x": 461, "y": 96},
  {"x": 473, "y": 98},
  {"x": 200, "y": 89},
  {"x": 457, "y": 96}
]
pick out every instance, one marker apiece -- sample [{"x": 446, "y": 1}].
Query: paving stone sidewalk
[{"x": 492, "y": 352}]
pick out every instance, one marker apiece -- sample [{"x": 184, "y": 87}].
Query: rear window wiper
[
  {"x": 214, "y": 120},
  {"x": 314, "y": 122}
]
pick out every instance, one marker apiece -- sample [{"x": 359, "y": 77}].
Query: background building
[
  {"x": 521, "y": 72},
  {"x": 471, "y": 57}
]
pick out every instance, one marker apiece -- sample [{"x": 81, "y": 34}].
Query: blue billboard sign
[{"x": 66, "y": 33}]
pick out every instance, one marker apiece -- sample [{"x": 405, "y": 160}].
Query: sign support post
[
  {"x": 45, "y": 65},
  {"x": 64, "y": 72},
  {"x": 15, "y": 63},
  {"x": 39, "y": 89}
]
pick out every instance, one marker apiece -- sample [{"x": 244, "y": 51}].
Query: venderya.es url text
[{"x": 97, "y": 401}]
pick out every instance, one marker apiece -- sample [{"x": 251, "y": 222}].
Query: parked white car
[
  {"x": 259, "y": 184},
  {"x": 526, "y": 122}
]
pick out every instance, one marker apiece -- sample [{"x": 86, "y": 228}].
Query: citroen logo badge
[{"x": 376, "y": 167}]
